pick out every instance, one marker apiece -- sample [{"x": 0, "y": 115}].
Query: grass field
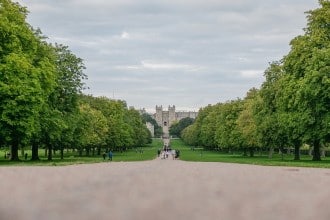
[
  {"x": 139, "y": 154},
  {"x": 187, "y": 154}
]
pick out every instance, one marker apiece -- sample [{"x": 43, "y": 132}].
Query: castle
[{"x": 166, "y": 118}]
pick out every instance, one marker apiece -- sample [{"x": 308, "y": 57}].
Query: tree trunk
[
  {"x": 50, "y": 151},
  {"x": 251, "y": 152},
  {"x": 316, "y": 152},
  {"x": 88, "y": 149},
  {"x": 98, "y": 151},
  {"x": 62, "y": 153},
  {"x": 296, "y": 152},
  {"x": 245, "y": 152},
  {"x": 271, "y": 152},
  {"x": 35, "y": 153},
  {"x": 93, "y": 151},
  {"x": 14, "y": 151}
]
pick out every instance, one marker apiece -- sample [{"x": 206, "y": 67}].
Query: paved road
[{"x": 163, "y": 190}]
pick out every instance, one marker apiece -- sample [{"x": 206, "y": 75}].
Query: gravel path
[{"x": 164, "y": 189}]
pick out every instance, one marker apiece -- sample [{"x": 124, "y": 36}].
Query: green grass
[
  {"x": 200, "y": 155},
  {"x": 149, "y": 152},
  {"x": 139, "y": 154}
]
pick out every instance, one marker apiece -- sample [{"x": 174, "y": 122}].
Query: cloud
[
  {"x": 125, "y": 35},
  {"x": 186, "y": 53},
  {"x": 153, "y": 65},
  {"x": 251, "y": 73}
]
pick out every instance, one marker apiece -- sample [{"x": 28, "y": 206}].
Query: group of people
[
  {"x": 166, "y": 152},
  {"x": 110, "y": 155}
]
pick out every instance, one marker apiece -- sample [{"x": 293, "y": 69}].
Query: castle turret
[
  {"x": 159, "y": 115},
  {"x": 171, "y": 115}
]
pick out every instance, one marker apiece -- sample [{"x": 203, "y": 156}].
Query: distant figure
[
  {"x": 173, "y": 152},
  {"x": 25, "y": 156},
  {"x": 110, "y": 155},
  {"x": 158, "y": 152},
  {"x": 104, "y": 155},
  {"x": 177, "y": 154}
]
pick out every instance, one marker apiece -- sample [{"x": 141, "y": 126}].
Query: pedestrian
[
  {"x": 110, "y": 155},
  {"x": 25, "y": 156},
  {"x": 104, "y": 155},
  {"x": 158, "y": 152},
  {"x": 173, "y": 154}
]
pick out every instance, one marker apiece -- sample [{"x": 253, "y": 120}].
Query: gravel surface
[{"x": 164, "y": 189}]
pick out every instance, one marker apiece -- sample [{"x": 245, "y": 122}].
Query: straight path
[{"x": 162, "y": 190}]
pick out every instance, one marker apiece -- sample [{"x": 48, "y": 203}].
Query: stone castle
[{"x": 165, "y": 118}]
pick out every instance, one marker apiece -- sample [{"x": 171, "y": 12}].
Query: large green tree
[
  {"x": 227, "y": 133},
  {"x": 247, "y": 122},
  {"x": 26, "y": 73},
  {"x": 308, "y": 65}
]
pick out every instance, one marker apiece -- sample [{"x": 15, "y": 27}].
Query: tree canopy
[
  {"x": 41, "y": 96},
  {"x": 290, "y": 109}
]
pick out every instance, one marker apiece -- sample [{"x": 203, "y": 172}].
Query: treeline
[
  {"x": 290, "y": 109},
  {"x": 41, "y": 104}
]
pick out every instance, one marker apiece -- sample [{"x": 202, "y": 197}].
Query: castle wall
[
  {"x": 182, "y": 115},
  {"x": 166, "y": 118}
]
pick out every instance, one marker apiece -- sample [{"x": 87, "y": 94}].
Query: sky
[{"x": 187, "y": 53}]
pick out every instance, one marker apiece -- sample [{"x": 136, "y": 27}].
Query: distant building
[{"x": 165, "y": 118}]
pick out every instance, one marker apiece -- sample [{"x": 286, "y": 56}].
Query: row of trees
[
  {"x": 40, "y": 96},
  {"x": 289, "y": 110}
]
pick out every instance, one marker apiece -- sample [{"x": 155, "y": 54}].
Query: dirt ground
[{"x": 164, "y": 189}]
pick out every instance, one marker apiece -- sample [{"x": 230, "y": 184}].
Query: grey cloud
[{"x": 184, "y": 52}]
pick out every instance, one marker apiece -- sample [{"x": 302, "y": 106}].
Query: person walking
[{"x": 110, "y": 155}]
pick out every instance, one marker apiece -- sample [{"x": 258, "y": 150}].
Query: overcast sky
[{"x": 188, "y": 53}]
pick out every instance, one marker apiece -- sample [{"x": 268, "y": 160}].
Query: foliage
[
  {"x": 41, "y": 102},
  {"x": 26, "y": 76},
  {"x": 291, "y": 109},
  {"x": 177, "y": 128},
  {"x": 158, "y": 130}
]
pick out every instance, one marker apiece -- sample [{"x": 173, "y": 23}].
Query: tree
[
  {"x": 141, "y": 134},
  {"x": 22, "y": 70},
  {"x": 190, "y": 135},
  {"x": 227, "y": 133},
  {"x": 63, "y": 100},
  {"x": 91, "y": 129},
  {"x": 178, "y": 127},
  {"x": 308, "y": 65},
  {"x": 246, "y": 121},
  {"x": 208, "y": 128}
]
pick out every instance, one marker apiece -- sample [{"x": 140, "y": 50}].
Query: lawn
[
  {"x": 187, "y": 154},
  {"x": 148, "y": 152}
]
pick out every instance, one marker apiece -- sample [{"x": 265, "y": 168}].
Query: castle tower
[
  {"x": 159, "y": 115},
  {"x": 171, "y": 115}
]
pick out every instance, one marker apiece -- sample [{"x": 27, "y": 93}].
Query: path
[{"x": 163, "y": 190}]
